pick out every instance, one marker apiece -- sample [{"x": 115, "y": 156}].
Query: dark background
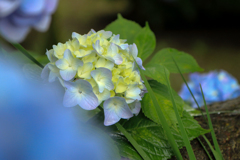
[{"x": 206, "y": 29}]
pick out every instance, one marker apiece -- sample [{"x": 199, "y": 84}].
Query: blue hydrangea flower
[
  {"x": 217, "y": 86},
  {"x": 18, "y": 16}
]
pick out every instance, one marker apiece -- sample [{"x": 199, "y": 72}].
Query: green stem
[
  {"x": 205, "y": 148},
  {"x": 133, "y": 142},
  {"x": 216, "y": 154},
  {"x": 189, "y": 88},
  {"x": 181, "y": 126},
  {"x": 211, "y": 127},
  {"x": 25, "y": 52}
]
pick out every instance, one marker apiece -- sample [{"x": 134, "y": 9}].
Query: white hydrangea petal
[
  {"x": 45, "y": 72},
  {"x": 133, "y": 92},
  {"x": 135, "y": 107},
  {"x": 88, "y": 101},
  {"x": 133, "y": 50},
  {"x": 53, "y": 68},
  {"x": 112, "y": 49},
  {"x": 109, "y": 65},
  {"x": 85, "y": 70},
  {"x": 101, "y": 86},
  {"x": 90, "y": 58},
  {"x": 82, "y": 53},
  {"x": 68, "y": 55},
  {"x": 62, "y": 64},
  {"x": 113, "y": 55},
  {"x": 101, "y": 96},
  {"x": 100, "y": 63},
  {"x": 67, "y": 74},
  {"x": 70, "y": 99},
  {"x": 50, "y": 72},
  {"x": 81, "y": 39},
  {"x": 123, "y": 46},
  {"x": 71, "y": 86},
  {"x": 103, "y": 78},
  {"x": 110, "y": 117},
  {"x": 98, "y": 48},
  {"x": 59, "y": 50},
  {"x": 118, "y": 59},
  {"x": 75, "y": 44},
  {"x": 52, "y": 76},
  {"x": 139, "y": 62},
  {"x": 92, "y": 82},
  {"x": 75, "y": 35},
  {"x": 105, "y": 34},
  {"x": 121, "y": 86},
  {"x": 123, "y": 110},
  {"x": 80, "y": 92},
  {"x": 76, "y": 63},
  {"x": 115, "y": 39},
  {"x": 92, "y": 31},
  {"x": 116, "y": 106},
  {"x": 84, "y": 86},
  {"x": 129, "y": 100},
  {"x": 50, "y": 55}
]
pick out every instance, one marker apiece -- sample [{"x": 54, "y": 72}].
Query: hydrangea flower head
[
  {"x": 96, "y": 68},
  {"x": 18, "y": 16},
  {"x": 217, "y": 86}
]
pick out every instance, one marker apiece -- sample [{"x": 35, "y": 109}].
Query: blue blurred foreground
[{"x": 35, "y": 126}]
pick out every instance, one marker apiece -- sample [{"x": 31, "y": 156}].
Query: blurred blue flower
[
  {"x": 35, "y": 126},
  {"x": 217, "y": 86},
  {"x": 18, "y": 16}
]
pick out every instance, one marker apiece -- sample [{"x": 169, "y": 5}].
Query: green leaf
[
  {"x": 125, "y": 148},
  {"x": 126, "y": 28},
  {"x": 146, "y": 42},
  {"x": 151, "y": 137},
  {"x": 164, "y": 100},
  {"x": 156, "y": 72},
  {"x": 185, "y": 61}
]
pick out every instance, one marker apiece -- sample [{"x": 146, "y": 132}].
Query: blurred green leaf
[
  {"x": 126, "y": 28},
  {"x": 156, "y": 72},
  {"x": 146, "y": 42},
  {"x": 164, "y": 100},
  {"x": 185, "y": 61},
  {"x": 110, "y": 147}
]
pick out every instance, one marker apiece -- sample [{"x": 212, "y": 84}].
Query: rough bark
[{"x": 227, "y": 129}]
